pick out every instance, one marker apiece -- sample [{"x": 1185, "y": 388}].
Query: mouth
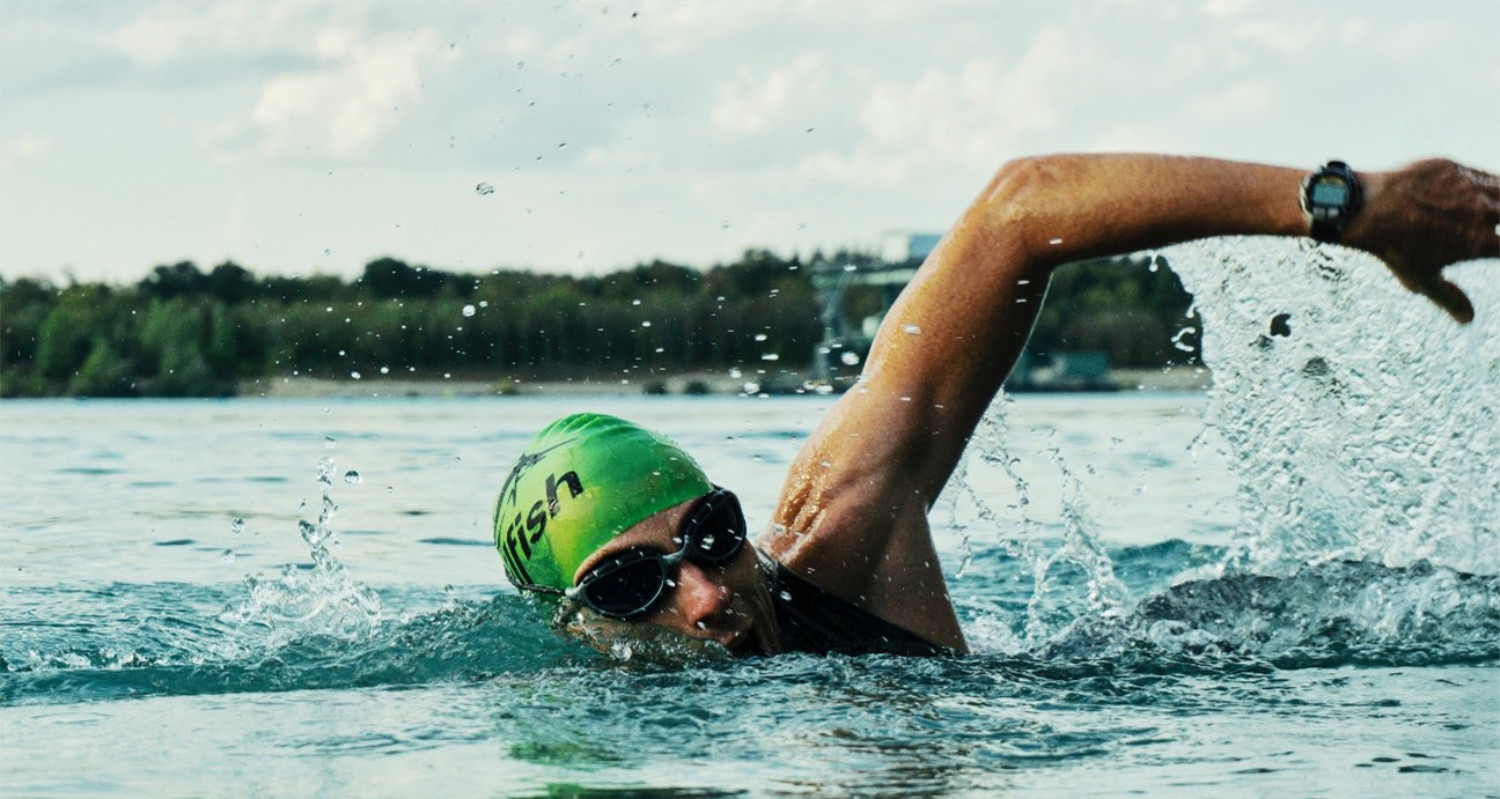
[
  {"x": 746, "y": 643},
  {"x": 740, "y": 644}
]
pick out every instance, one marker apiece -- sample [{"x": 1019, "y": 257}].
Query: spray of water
[
  {"x": 1025, "y": 537},
  {"x": 1361, "y": 424},
  {"x": 325, "y": 600},
  {"x": 1361, "y": 421}
]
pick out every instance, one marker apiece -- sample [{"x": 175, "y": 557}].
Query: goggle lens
[
  {"x": 716, "y": 530},
  {"x": 628, "y": 588},
  {"x": 630, "y": 583}
]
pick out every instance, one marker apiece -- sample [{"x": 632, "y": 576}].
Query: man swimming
[{"x": 624, "y": 525}]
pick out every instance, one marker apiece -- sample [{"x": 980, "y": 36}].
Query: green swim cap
[{"x": 583, "y": 480}]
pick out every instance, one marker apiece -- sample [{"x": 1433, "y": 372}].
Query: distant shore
[{"x": 1176, "y": 378}]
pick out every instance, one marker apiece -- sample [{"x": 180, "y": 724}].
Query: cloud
[
  {"x": 30, "y": 146},
  {"x": 166, "y": 34},
  {"x": 1249, "y": 99},
  {"x": 342, "y": 108},
  {"x": 748, "y": 109},
  {"x": 968, "y": 117},
  {"x": 644, "y": 128}
]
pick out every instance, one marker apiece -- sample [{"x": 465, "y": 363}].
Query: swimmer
[{"x": 624, "y": 527}]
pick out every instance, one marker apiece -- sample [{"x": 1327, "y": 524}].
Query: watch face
[{"x": 1328, "y": 192}]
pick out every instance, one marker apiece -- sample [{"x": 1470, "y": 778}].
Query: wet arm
[{"x": 853, "y": 512}]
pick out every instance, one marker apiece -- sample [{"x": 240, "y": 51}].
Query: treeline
[{"x": 182, "y": 331}]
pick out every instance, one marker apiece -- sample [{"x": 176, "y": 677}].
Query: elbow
[
  {"x": 1014, "y": 176},
  {"x": 1020, "y": 200},
  {"x": 1017, "y": 190}
]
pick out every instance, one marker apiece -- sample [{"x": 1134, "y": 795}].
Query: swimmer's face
[{"x": 729, "y": 605}]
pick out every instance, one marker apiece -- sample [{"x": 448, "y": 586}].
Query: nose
[{"x": 700, "y": 596}]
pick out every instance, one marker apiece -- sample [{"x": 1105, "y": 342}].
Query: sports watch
[{"x": 1331, "y": 197}]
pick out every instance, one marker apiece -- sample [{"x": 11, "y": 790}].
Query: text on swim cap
[{"x": 522, "y": 531}]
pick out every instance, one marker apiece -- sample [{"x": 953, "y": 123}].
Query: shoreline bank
[{"x": 1176, "y": 378}]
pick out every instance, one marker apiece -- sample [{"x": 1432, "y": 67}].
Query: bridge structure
[
  {"x": 841, "y": 352},
  {"x": 844, "y": 345}
]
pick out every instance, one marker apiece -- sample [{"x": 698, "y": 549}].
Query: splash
[
  {"x": 1362, "y": 422},
  {"x": 1334, "y": 613},
  {"x": 1361, "y": 425},
  {"x": 991, "y": 463},
  {"x": 325, "y": 600}
]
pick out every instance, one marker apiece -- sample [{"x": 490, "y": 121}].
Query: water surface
[{"x": 1284, "y": 588}]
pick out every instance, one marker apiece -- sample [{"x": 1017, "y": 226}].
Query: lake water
[{"x": 1287, "y": 587}]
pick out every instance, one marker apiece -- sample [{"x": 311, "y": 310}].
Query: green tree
[
  {"x": 391, "y": 278},
  {"x": 230, "y": 283},
  {"x": 181, "y": 279},
  {"x": 106, "y": 373}
]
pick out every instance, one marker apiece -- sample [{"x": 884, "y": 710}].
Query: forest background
[{"x": 182, "y": 331}]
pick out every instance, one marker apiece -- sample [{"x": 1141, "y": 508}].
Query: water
[{"x": 1284, "y": 588}]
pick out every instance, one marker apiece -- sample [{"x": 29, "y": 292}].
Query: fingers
[{"x": 1450, "y": 298}]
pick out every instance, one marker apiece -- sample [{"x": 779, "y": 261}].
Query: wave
[
  {"x": 1333, "y": 614},
  {"x": 1325, "y": 615}
]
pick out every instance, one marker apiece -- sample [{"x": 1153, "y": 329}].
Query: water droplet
[
  {"x": 850, "y": 267},
  {"x": 484, "y": 189},
  {"x": 849, "y": 358},
  {"x": 760, "y": 336},
  {"x": 1177, "y": 340},
  {"x": 770, "y": 356},
  {"x": 911, "y": 330},
  {"x": 735, "y": 374},
  {"x": 227, "y": 558},
  {"x": 620, "y": 650},
  {"x": 354, "y": 375},
  {"x": 469, "y": 310},
  {"x": 329, "y": 441},
  {"x": 352, "y": 477},
  {"x": 786, "y": 596},
  {"x": 646, "y": 323},
  {"x": 1054, "y": 242},
  {"x": 385, "y": 370},
  {"x": 237, "y": 525}
]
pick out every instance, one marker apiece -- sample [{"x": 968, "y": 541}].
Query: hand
[{"x": 1423, "y": 217}]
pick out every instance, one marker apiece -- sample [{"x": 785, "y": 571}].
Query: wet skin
[
  {"x": 729, "y": 605},
  {"x": 852, "y": 514}
]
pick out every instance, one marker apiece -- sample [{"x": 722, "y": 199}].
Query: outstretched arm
[{"x": 853, "y": 513}]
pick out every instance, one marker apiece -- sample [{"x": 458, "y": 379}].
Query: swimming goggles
[{"x": 630, "y": 583}]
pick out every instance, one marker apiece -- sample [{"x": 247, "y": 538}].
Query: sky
[{"x": 307, "y": 137}]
